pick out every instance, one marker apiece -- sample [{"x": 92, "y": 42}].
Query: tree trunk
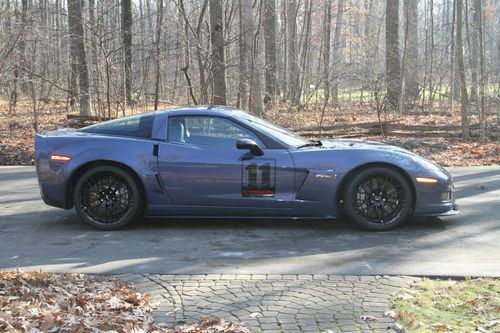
[
  {"x": 257, "y": 74},
  {"x": 480, "y": 102},
  {"x": 22, "y": 59},
  {"x": 77, "y": 51},
  {"x": 337, "y": 52},
  {"x": 293, "y": 66},
  {"x": 159, "y": 23},
  {"x": 393, "y": 68},
  {"x": 326, "y": 53},
  {"x": 306, "y": 50},
  {"x": 270, "y": 48},
  {"x": 218, "y": 62},
  {"x": 326, "y": 60},
  {"x": 412, "y": 91},
  {"x": 451, "y": 96},
  {"x": 431, "y": 56},
  {"x": 461, "y": 72},
  {"x": 245, "y": 49},
  {"x": 284, "y": 49},
  {"x": 127, "y": 47},
  {"x": 201, "y": 63},
  {"x": 94, "y": 57}
]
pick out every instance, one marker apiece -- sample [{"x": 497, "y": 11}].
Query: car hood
[
  {"x": 360, "y": 144},
  {"x": 423, "y": 163}
]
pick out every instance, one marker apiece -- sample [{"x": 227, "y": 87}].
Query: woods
[{"x": 108, "y": 58}]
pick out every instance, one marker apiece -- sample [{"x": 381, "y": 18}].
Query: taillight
[{"x": 56, "y": 157}]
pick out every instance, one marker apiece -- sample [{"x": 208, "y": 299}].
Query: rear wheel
[
  {"x": 378, "y": 198},
  {"x": 108, "y": 198}
]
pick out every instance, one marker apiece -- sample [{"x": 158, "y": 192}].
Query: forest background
[{"x": 422, "y": 74}]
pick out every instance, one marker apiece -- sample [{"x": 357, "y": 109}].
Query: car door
[{"x": 200, "y": 165}]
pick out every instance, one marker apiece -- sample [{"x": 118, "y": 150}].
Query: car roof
[{"x": 212, "y": 110}]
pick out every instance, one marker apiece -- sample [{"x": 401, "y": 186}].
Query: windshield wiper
[{"x": 311, "y": 143}]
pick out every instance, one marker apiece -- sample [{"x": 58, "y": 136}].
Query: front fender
[{"x": 325, "y": 172}]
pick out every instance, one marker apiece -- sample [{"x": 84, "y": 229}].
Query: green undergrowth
[{"x": 434, "y": 305}]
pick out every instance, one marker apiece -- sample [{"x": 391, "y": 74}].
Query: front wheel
[
  {"x": 107, "y": 198},
  {"x": 378, "y": 198}
]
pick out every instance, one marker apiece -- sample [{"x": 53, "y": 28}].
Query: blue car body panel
[{"x": 186, "y": 179}]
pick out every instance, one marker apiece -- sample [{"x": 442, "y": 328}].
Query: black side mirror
[{"x": 250, "y": 145}]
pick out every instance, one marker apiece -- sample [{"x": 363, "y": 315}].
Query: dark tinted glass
[
  {"x": 136, "y": 126},
  {"x": 206, "y": 130}
]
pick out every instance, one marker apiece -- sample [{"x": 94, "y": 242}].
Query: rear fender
[{"x": 57, "y": 178}]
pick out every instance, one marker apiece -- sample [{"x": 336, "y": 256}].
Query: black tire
[
  {"x": 108, "y": 198},
  {"x": 378, "y": 198}
]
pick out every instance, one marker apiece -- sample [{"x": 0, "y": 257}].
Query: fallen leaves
[
  {"x": 390, "y": 314},
  {"x": 135, "y": 298},
  {"x": 406, "y": 317},
  {"x": 406, "y": 297},
  {"x": 78, "y": 303},
  {"x": 16, "y": 131},
  {"x": 45, "y": 302},
  {"x": 48, "y": 322},
  {"x": 441, "y": 327},
  {"x": 445, "y": 151},
  {"x": 213, "y": 325},
  {"x": 448, "y": 152}
]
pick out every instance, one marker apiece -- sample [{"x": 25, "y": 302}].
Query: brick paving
[{"x": 275, "y": 303}]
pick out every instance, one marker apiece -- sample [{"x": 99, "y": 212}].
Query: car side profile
[{"x": 223, "y": 162}]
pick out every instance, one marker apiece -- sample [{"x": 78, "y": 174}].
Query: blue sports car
[{"x": 223, "y": 162}]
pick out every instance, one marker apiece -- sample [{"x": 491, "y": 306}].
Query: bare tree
[
  {"x": 218, "y": 62},
  {"x": 412, "y": 91},
  {"x": 77, "y": 51},
  {"x": 292, "y": 56},
  {"x": 95, "y": 74},
  {"x": 245, "y": 48},
  {"x": 393, "y": 68},
  {"x": 461, "y": 71},
  {"x": 22, "y": 59},
  {"x": 305, "y": 45},
  {"x": 478, "y": 18},
  {"x": 327, "y": 24},
  {"x": 337, "y": 52},
  {"x": 256, "y": 87},
  {"x": 270, "y": 48},
  {"x": 159, "y": 23},
  {"x": 127, "y": 47},
  {"x": 451, "y": 96},
  {"x": 326, "y": 53}
]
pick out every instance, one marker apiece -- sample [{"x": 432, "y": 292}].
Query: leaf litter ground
[
  {"x": 17, "y": 133},
  {"x": 79, "y": 303}
]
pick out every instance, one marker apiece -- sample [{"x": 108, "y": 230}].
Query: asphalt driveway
[{"x": 33, "y": 235}]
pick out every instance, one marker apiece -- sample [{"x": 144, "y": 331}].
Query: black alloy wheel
[
  {"x": 378, "y": 198},
  {"x": 107, "y": 198}
]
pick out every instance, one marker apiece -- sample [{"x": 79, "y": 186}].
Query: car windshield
[{"x": 279, "y": 133}]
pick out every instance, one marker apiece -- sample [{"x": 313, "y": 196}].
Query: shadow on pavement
[{"x": 35, "y": 235}]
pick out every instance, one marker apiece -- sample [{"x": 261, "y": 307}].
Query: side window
[
  {"x": 136, "y": 126},
  {"x": 204, "y": 130}
]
